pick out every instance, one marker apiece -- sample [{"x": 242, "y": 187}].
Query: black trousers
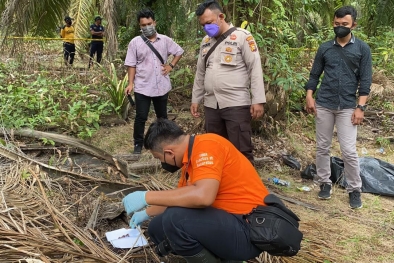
[
  {"x": 190, "y": 230},
  {"x": 232, "y": 123},
  {"x": 96, "y": 48},
  {"x": 69, "y": 52},
  {"x": 142, "y": 106}
]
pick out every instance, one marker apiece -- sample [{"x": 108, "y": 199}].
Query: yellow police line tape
[
  {"x": 55, "y": 38},
  {"x": 95, "y": 39}
]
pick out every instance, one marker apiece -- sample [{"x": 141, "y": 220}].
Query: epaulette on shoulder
[{"x": 246, "y": 32}]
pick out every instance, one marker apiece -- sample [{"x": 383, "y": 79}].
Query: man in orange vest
[{"x": 201, "y": 220}]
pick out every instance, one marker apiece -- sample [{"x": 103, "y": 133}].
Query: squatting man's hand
[
  {"x": 138, "y": 218},
  {"x": 134, "y": 202}
]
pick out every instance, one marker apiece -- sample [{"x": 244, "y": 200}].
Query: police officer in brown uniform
[{"x": 229, "y": 78}]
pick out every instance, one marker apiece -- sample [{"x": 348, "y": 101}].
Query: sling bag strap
[
  {"x": 348, "y": 62},
  {"x": 189, "y": 154},
  {"x": 220, "y": 39},
  {"x": 147, "y": 41}
]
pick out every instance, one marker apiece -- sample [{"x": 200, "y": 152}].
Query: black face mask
[
  {"x": 341, "y": 31},
  {"x": 169, "y": 167}
]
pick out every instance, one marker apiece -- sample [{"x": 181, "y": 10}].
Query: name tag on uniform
[{"x": 231, "y": 43}]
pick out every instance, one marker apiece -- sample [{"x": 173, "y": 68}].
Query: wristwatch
[
  {"x": 362, "y": 107},
  {"x": 172, "y": 66}
]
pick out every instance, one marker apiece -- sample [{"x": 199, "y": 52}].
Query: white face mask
[{"x": 148, "y": 31}]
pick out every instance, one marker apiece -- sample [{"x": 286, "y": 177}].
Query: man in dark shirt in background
[
  {"x": 336, "y": 102},
  {"x": 96, "y": 46}
]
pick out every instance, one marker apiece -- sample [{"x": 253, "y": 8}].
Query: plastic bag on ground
[
  {"x": 309, "y": 172},
  {"x": 377, "y": 176},
  {"x": 291, "y": 161},
  {"x": 337, "y": 171}
]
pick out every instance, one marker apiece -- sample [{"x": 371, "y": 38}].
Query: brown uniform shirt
[{"x": 233, "y": 75}]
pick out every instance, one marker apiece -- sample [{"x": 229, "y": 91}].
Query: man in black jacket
[{"x": 347, "y": 66}]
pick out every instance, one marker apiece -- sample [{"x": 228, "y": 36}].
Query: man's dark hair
[
  {"x": 160, "y": 132},
  {"x": 208, "y": 4},
  {"x": 145, "y": 13},
  {"x": 346, "y": 10}
]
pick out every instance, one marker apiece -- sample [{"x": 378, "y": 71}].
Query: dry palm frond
[{"x": 31, "y": 225}]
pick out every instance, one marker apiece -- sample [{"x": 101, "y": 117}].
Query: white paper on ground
[{"x": 125, "y": 238}]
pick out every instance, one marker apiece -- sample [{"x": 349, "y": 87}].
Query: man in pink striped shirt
[{"x": 148, "y": 75}]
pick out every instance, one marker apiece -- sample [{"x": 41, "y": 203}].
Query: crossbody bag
[
  {"x": 147, "y": 41},
  {"x": 274, "y": 228}
]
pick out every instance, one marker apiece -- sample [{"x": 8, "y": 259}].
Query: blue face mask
[{"x": 212, "y": 30}]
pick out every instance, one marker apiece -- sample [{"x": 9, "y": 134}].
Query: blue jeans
[
  {"x": 142, "y": 106},
  {"x": 190, "y": 230}
]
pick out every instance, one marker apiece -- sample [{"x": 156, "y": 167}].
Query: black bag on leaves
[
  {"x": 309, "y": 172},
  {"x": 337, "y": 171},
  {"x": 291, "y": 161},
  {"x": 377, "y": 176},
  {"x": 274, "y": 228},
  {"x": 337, "y": 167}
]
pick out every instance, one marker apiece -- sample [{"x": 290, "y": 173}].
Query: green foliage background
[{"x": 287, "y": 32}]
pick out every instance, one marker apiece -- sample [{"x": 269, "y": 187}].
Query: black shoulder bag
[
  {"x": 348, "y": 62},
  {"x": 220, "y": 39},
  {"x": 274, "y": 228},
  {"x": 147, "y": 41}
]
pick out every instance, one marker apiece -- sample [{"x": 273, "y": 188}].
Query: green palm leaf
[
  {"x": 39, "y": 18},
  {"x": 83, "y": 12}
]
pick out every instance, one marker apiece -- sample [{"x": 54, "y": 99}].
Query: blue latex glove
[
  {"x": 138, "y": 218},
  {"x": 134, "y": 202}
]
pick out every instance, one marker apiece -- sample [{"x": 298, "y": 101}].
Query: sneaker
[
  {"x": 325, "y": 191},
  {"x": 137, "y": 149},
  {"x": 355, "y": 200}
]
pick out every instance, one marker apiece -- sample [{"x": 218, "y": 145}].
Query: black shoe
[
  {"x": 137, "y": 149},
  {"x": 355, "y": 200},
  {"x": 325, "y": 191}
]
